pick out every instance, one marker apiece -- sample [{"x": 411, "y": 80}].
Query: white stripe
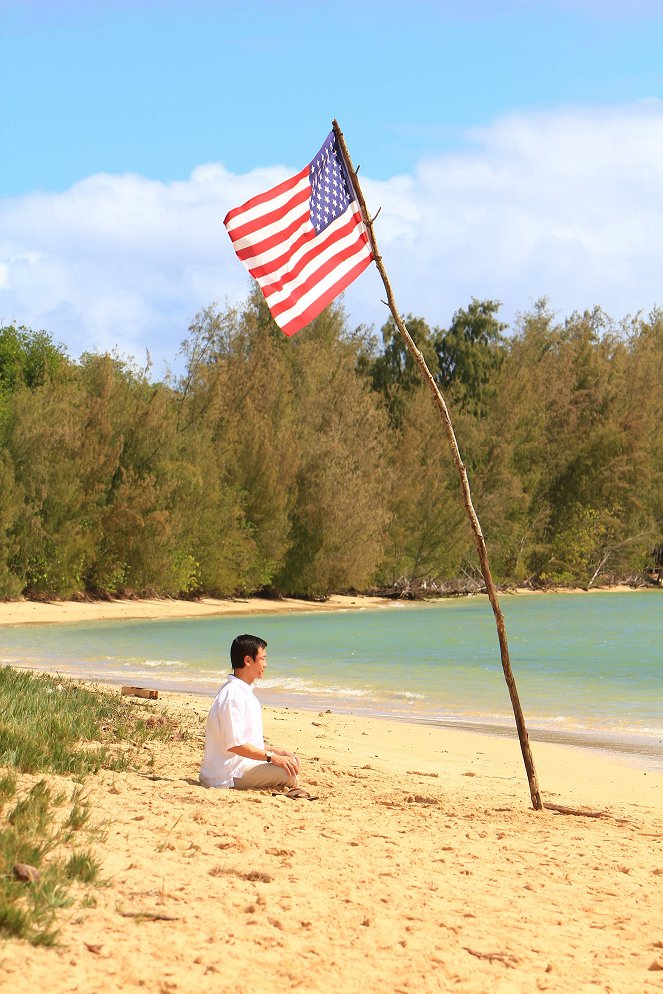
[
  {"x": 269, "y": 205},
  {"x": 264, "y": 258},
  {"x": 319, "y": 260},
  {"x": 317, "y": 291},
  {"x": 290, "y": 263},
  {"x": 276, "y": 227}
]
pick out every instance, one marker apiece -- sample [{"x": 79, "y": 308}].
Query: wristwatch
[{"x": 268, "y": 757}]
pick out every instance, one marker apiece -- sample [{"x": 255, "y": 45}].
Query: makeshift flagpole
[{"x": 535, "y": 793}]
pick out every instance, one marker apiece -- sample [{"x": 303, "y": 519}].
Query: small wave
[
  {"x": 295, "y": 685},
  {"x": 162, "y": 662}
]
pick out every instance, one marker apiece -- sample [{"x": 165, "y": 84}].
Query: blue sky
[{"x": 514, "y": 147}]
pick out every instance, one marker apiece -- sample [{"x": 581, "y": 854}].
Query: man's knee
[{"x": 264, "y": 776}]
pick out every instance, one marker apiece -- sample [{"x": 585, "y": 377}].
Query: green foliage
[
  {"x": 83, "y": 866},
  {"x": 291, "y": 436},
  {"x": 11, "y": 506},
  {"x": 35, "y": 833},
  {"x": 338, "y": 517},
  {"x": 28, "y": 358},
  {"x": 52, "y": 530},
  {"x": 241, "y": 438},
  {"x": 56, "y": 725},
  {"x": 394, "y": 372},
  {"x": 470, "y": 353},
  {"x": 428, "y": 536},
  {"x": 317, "y": 463}
]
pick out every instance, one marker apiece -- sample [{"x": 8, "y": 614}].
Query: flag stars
[{"x": 330, "y": 195}]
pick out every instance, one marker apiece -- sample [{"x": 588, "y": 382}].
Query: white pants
[{"x": 265, "y": 775}]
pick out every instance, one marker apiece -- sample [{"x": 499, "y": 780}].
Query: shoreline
[
  {"x": 401, "y": 739},
  {"x": 638, "y": 751},
  {"x": 28, "y": 612}
]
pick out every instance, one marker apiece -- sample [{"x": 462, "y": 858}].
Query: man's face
[{"x": 256, "y": 667}]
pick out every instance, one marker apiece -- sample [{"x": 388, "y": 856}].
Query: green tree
[
  {"x": 429, "y": 536},
  {"x": 28, "y": 358},
  {"x": 641, "y": 412},
  {"x": 394, "y": 373},
  {"x": 156, "y": 488},
  {"x": 52, "y": 533},
  {"x": 470, "y": 353},
  {"x": 11, "y": 503},
  {"x": 34, "y": 537},
  {"x": 295, "y": 428},
  {"x": 237, "y": 394},
  {"x": 559, "y": 410},
  {"x": 339, "y": 514}
]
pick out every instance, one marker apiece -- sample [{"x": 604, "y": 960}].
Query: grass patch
[
  {"x": 49, "y": 725},
  {"x": 83, "y": 866},
  {"x": 32, "y": 833}
]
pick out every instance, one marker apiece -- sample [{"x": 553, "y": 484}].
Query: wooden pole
[{"x": 535, "y": 793}]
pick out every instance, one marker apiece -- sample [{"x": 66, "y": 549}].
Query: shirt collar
[{"x": 235, "y": 679}]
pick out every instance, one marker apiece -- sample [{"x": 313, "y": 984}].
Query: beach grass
[
  {"x": 50, "y": 724},
  {"x": 56, "y": 727},
  {"x": 37, "y": 865}
]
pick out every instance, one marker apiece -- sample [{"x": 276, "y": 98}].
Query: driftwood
[
  {"x": 149, "y": 916},
  {"x": 563, "y": 809},
  {"x": 535, "y": 793},
  {"x": 508, "y": 959},
  {"x": 149, "y": 695}
]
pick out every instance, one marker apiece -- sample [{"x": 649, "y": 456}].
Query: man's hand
[
  {"x": 288, "y": 760},
  {"x": 280, "y": 757}
]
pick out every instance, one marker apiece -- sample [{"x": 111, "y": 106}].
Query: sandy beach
[
  {"x": 421, "y": 867},
  {"x": 25, "y": 612}
]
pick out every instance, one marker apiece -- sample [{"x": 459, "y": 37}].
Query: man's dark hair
[{"x": 245, "y": 645}]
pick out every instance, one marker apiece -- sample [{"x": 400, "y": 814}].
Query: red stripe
[
  {"x": 353, "y": 222},
  {"x": 320, "y": 303},
  {"x": 259, "y": 272},
  {"x": 265, "y": 220},
  {"x": 273, "y": 241},
  {"x": 262, "y": 198},
  {"x": 315, "y": 277}
]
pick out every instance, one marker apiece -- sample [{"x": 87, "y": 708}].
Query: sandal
[{"x": 296, "y": 792}]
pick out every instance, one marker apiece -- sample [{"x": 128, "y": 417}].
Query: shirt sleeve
[{"x": 232, "y": 717}]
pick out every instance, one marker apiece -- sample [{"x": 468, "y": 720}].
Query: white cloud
[
  {"x": 567, "y": 204},
  {"x": 122, "y": 261}
]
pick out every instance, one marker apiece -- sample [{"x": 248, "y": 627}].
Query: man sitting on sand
[{"x": 235, "y": 754}]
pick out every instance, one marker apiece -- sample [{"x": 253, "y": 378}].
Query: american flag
[{"x": 304, "y": 241}]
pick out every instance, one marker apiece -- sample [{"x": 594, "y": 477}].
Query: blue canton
[{"x": 330, "y": 187}]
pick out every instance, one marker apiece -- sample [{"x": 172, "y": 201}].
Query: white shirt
[{"x": 235, "y": 719}]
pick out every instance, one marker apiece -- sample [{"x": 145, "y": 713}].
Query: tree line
[{"x": 318, "y": 464}]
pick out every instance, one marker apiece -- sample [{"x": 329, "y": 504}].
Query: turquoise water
[{"x": 587, "y": 667}]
